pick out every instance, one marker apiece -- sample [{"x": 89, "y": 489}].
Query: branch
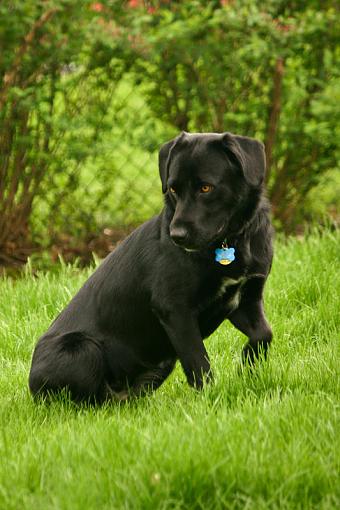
[{"x": 274, "y": 113}]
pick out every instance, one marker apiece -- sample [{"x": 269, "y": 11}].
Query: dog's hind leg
[
  {"x": 146, "y": 382},
  {"x": 73, "y": 362},
  {"x": 150, "y": 380}
]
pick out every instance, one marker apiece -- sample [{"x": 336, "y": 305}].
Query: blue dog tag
[{"x": 224, "y": 255}]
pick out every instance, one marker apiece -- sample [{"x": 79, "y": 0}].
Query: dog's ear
[
  {"x": 164, "y": 159},
  {"x": 163, "y": 163},
  {"x": 250, "y": 155}
]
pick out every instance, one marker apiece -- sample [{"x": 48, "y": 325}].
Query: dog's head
[{"x": 210, "y": 182}]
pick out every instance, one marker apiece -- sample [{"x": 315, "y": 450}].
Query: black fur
[{"x": 157, "y": 296}]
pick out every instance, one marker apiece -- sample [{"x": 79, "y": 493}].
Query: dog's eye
[
  {"x": 206, "y": 188},
  {"x": 172, "y": 190}
]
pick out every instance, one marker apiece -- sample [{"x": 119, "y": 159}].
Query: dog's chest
[
  {"x": 229, "y": 291},
  {"x": 226, "y": 293}
]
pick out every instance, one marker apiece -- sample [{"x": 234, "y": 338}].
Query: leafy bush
[
  {"x": 38, "y": 76},
  {"x": 268, "y": 69},
  {"x": 89, "y": 91}
]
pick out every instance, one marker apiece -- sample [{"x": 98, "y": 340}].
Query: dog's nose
[{"x": 179, "y": 235}]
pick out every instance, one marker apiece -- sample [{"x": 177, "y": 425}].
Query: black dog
[{"x": 172, "y": 282}]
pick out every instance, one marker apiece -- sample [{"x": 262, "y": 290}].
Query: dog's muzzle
[{"x": 179, "y": 236}]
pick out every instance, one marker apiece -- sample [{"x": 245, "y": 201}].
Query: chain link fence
[{"x": 100, "y": 198}]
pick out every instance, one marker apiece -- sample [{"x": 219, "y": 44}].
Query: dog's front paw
[
  {"x": 252, "y": 353},
  {"x": 199, "y": 379}
]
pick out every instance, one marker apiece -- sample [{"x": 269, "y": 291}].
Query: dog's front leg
[
  {"x": 249, "y": 318},
  {"x": 251, "y": 321},
  {"x": 184, "y": 335}
]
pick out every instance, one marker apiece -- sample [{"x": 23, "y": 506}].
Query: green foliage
[
  {"x": 89, "y": 91},
  {"x": 262, "y": 440},
  {"x": 41, "y": 42},
  {"x": 269, "y": 70}
]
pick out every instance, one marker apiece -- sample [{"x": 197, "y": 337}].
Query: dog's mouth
[
  {"x": 186, "y": 247},
  {"x": 201, "y": 243},
  {"x": 191, "y": 250},
  {"x": 197, "y": 247}
]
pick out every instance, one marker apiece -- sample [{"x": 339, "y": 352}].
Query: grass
[{"x": 250, "y": 441}]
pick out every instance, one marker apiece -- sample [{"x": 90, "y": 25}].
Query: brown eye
[
  {"x": 206, "y": 188},
  {"x": 172, "y": 190}
]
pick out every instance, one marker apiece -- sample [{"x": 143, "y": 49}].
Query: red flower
[
  {"x": 134, "y": 4},
  {"x": 97, "y": 6},
  {"x": 281, "y": 27}
]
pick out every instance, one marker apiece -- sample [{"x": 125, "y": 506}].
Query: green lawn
[{"x": 249, "y": 441}]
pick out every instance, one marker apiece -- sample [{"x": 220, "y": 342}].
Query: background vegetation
[{"x": 90, "y": 90}]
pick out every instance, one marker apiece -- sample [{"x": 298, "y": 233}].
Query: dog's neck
[{"x": 249, "y": 212}]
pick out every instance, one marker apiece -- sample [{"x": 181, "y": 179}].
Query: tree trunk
[{"x": 274, "y": 113}]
